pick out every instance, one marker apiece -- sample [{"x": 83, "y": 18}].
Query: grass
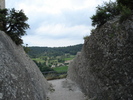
[
  {"x": 38, "y": 60},
  {"x": 66, "y": 59},
  {"x": 69, "y": 58},
  {"x": 61, "y": 69}
]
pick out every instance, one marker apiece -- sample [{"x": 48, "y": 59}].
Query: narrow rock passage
[{"x": 64, "y": 90}]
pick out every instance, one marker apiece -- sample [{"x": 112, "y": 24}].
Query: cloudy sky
[{"x": 55, "y": 23}]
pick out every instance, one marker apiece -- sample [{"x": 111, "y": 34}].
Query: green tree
[
  {"x": 109, "y": 10},
  {"x": 26, "y": 48},
  {"x": 126, "y": 7},
  {"x": 43, "y": 67},
  {"x": 104, "y": 13},
  {"x": 125, "y": 13},
  {"x": 126, "y": 3},
  {"x": 3, "y": 13},
  {"x": 13, "y": 22}
]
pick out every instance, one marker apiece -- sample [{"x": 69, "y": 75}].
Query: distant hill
[{"x": 54, "y": 51}]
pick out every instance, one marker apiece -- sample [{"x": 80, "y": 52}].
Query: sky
[{"x": 56, "y": 23}]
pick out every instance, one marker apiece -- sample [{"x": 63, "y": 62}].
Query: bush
[
  {"x": 3, "y": 13},
  {"x": 110, "y": 10},
  {"x": 86, "y": 37},
  {"x": 125, "y": 14},
  {"x": 105, "y": 13},
  {"x": 26, "y": 48},
  {"x": 126, "y": 3}
]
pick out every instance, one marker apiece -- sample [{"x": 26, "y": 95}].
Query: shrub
[
  {"x": 125, "y": 13},
  {"x": 3, "y": 13},
  {"x": 105, "y": 13},
  {"x": 110, "y": 10},
  {"x": 86, "y": 37},
  {"x": 126, "y": 3}
]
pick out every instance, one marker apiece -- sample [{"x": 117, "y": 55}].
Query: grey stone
[
  {"x": 20, "y": 78},
  {"x": 1, "y": 95},
  {"x": 103, "y": 69}
]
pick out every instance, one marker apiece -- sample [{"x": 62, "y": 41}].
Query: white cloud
[
  {"x": 56, "y": 22},
  {"x": 57, "y": 35},
  {"x": 42, "y": 41},
  {"x": 61, "y": 29},
  {"x": 55, "y": 6}
]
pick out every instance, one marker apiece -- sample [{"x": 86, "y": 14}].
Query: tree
[
  {"x": 13, "y": 22},
  {"x": 126, "y": 7},
  {"x": 126, "y": 3},
  {"x": 104, "y": 13},
  {"x": 3, "y": 13},
  {"x": 26, "y": 48},
  {"x": 110, "y": 10}
]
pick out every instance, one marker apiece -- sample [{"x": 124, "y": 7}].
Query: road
[{"x": 63, "y": 89}]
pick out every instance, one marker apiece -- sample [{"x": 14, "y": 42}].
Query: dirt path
[{"x": 64, "y": 90}]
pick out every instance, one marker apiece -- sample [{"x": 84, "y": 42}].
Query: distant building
[
  {"x": 53, "y": 66},
  {"x": 2, "y": 4},
  {"x": 68, "y": 62},
  {"x": 60, "y": 64}
]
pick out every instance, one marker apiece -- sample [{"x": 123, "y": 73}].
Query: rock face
[
  {"x": 20, "y": 78},
  {"x": 2, "y": 4},
  {"x": 104, "y": 68}
]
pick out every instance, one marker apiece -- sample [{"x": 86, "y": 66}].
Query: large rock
[
  {"x": 20, "y": 78},
  {"x": 104, "y": 68}
]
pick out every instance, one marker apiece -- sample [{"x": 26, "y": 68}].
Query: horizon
[
  {"x": 56, "y": 47},
  {"x": 57, "y": 23}
]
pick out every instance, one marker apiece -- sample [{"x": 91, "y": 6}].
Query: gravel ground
[{"x": 64, "y": 90}]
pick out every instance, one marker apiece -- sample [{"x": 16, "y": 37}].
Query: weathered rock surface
[
  {"x": 20, "y": 78},
  {"x": 104, "y": 68}
]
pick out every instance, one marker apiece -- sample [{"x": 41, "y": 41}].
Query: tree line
[{"x": 36, "y": 52}]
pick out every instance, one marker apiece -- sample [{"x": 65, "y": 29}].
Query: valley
[{"x": 53, "y": 62}]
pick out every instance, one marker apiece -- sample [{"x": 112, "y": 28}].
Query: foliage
[
  {"x": 45, "y": 57},
  {"x": 125, "y": 14},
  {"x": 105, "y": 13},
  {"x": 109, "y": 10},
  {"x": 60, "y": 60},
  {"x": 36, "y": 52},
  {"x": 57, "y": 72},
  {"x": 60, "y": 69},
  {"x": 43, "y": 67},
  {"x": 13, "y": 22},
  {"x": 26, "y": 48},
  {"x": 126, "y": 3},
  {"x": 3, "y": 13},
  {"x": 86, "y": 37}
]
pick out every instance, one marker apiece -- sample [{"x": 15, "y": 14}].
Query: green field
[
  {"x": 69, "y": 58},
  {"x": 61, "y": 69},
  {"x": 66, "y": 59},
  {"x": 38, "y": 60}
]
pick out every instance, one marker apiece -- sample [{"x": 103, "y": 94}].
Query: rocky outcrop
[
  {"x": 20, "y": 78},
  {"x": 104, "y": 68}
]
